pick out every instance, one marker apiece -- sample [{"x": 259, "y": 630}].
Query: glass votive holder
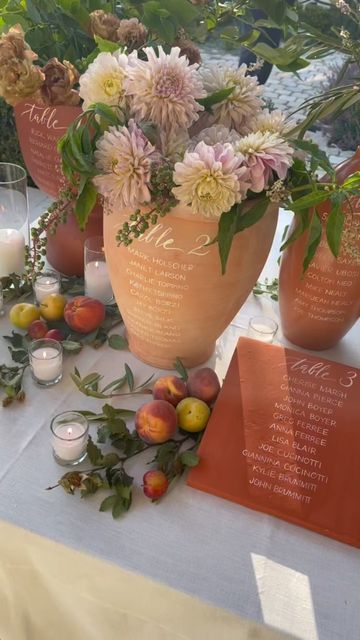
[
  {"x": 96, "y": 275},
  {"x": 45, "y": 356},
  {"x": 262, "y": 328},
  {"x": 69, "y": 437},
  {"x": 46, "y": 282},
  {"x": 2, "y": 310}
]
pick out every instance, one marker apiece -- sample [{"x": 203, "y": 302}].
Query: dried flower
[
  {"x": 164, "y": 89},
  {"x": 13, "y": 45},
  {"x": 59, "y": 81},
  {"x": 131, "y": 34},
  {"x": 190, "y": 50},
  {"x": 104, "y": 25},
  {"x": 265, "y": 153},
  {"x": 210, "y": 179},
  {"x": 277, "y": 192},
  {"x": 18, "y": 76},
  {"x": 103, "y": 80},
  {"x": 124, "y": 158},
  {"x": 244, "y": 101}
]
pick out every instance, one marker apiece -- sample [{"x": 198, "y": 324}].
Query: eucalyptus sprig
[
  {"x": 270, "y": 288},
  {"x": 107, "y": 470}
]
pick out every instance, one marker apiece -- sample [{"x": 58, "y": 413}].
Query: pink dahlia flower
[{"x": 264, "y": 154}]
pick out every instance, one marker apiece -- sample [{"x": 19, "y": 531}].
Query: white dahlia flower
[
  {"x": 264, "y": 154},
  {"x": 164, "y": 89},
  {"x": 124, "y": 157},
  {"x": 272, "y": 121},
  {"x": 103, "y": 81},
  {"x": 239, "y": 107},
  {"x": 210, "y": 179}
]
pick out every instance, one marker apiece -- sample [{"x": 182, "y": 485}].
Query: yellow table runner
[{"x": 51, "y": 592}]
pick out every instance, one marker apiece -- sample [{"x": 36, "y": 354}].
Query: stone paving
[{"x": 288, "y": 91}]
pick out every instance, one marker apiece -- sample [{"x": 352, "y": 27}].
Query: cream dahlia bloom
[
  {"x": 210, "y": 179},
  {"x": 264, "y": 154},
  {"x": 164, "y": 89},
  {"x": 103, "y": 81},
  {"x": 124, "y": 158},
  {"x": 272, "y": 121},
  {"x": 239, "y": 107}
]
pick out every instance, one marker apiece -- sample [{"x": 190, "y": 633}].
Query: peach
[
  {"x": 84, "y": 314},
  {"x": 170, "y": 388},
  {"x": 155, "y": 484},
  {"x": 37, "y": 329},
  {"x": 55, "y": 334},
  {"x": 204, "y": 384},
  {"x": 156, "y": 421}
]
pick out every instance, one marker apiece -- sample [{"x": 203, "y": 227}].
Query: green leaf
[
  {"x": 110, "y": 460},
  {"x": 71, "y": 346},
  {"x": 85, "y": 204},
  {"x": 310, "y": 200},
  {"x": 316, "y": 154},
  {"x": 129, "y": 377},
  {"x": 118, "y": 508},
  {"x": 226, "y": 231},
  {"x": 189, "y": 458},
  {"x": 313, "y": 240},
  {"x": 118, "y": 342},
  {"x": 352, "y": 181},
  {"x": 250, "y": 216},
  {"x": 106, "y": 45},
  {"x": 94, "y": 453},
  {"x": 215, "y": 98},
  {"x": 182, "y": 10},
  {"x": 275, "y": 9},
  {"x": 179, "y": 367},
  {"x": 108, "y": 503},
  {"x": 335, "y": 224}
]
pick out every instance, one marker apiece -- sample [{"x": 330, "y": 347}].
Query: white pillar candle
[
  {"x": 12, "y": 252},
  {"x": 69, "y": 440},
  {"x": 46, "y": 364},
  {"x": 97, "y": 281},
  {"x": 44, "y": 285}
]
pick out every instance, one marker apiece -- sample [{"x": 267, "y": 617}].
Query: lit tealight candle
[
  {"x": 262, "y": 328},
  {"x": 46, "y": 361},
  {"x": 97, "y": 281},
  {"x": 45, "y": 283},
  {"x": 69, "y": 439},
  {"x": 12, "y": 252}
]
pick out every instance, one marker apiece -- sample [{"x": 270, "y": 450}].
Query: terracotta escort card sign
[
  {"x": 39, "y": 129},
  {"x": 287, "y": 442}
]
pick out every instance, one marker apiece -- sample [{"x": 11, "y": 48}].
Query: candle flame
[
  {"x": 69, "y": 431},
  {"x": 96, "y": 265},
  {"x": 44, "y": 355}
]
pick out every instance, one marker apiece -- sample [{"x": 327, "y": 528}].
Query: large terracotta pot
[
  {"x": 65, "y": 249},
  {"x": 169, "y": 288},
  {"x": 319, "y": 307},
  {"x": 39, "y": 129}
]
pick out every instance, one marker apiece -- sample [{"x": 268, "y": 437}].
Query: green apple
[
  {"x": 192, "y": 414},
  {"x": 23, "y": 314}
]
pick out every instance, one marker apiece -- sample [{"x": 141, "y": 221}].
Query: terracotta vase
[
  {"x": 65, "y": 249},
  {"x": 169, "y": 288},
  {"x": 319, "y": 307},
  {"x": 39, "y": 129}
]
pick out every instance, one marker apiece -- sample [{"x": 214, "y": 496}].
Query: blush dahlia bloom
[
  {"x": 264, "y": 154},
  {"x": 210, "y": 179},
  {"x": 103, "y": 81},
  {"x": 124, "y": 158},
  {"x": 237, "y": 110},
  {"x": 215, "y": 134},
  {"x": 164, "y": 89}
]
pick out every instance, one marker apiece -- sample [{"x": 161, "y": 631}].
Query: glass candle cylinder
[
  {"x": 262, "y": 328},
  {"x": 69, "y": 437},
  {"x": 45, "y": 283},
  {"x": 14, "y": 220},
  {"x": 2, "y": 310},
  {"x": 96, "y": 276},
  {"x": 45, "y": 357}
]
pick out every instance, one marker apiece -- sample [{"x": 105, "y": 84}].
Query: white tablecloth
[{"x": 249, "y": 563}]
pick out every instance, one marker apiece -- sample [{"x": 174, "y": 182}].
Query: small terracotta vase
[
  {"x": 319, "y": 307},
  {"x": 39, "y": 129},
  {"x": 65, "y": 249},
  {"x": 168, "y": 283}
]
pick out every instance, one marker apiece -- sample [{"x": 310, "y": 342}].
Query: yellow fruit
[
  {"x": 193, "y": 414},
  {"x": 23, "y": 314},
  {"x": 52, "y": 306}
]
